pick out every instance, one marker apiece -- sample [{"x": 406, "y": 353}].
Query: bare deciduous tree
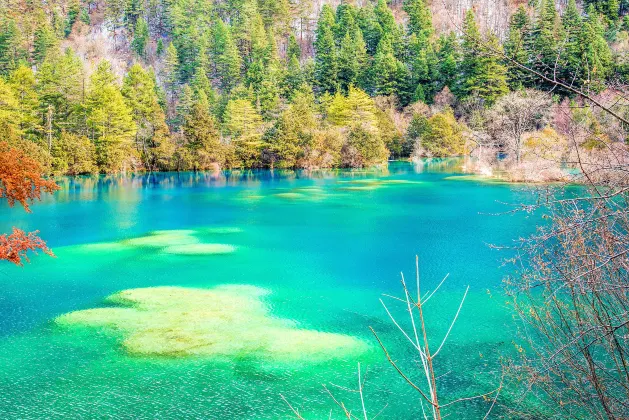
[
  {"x": 515, "y": 114},
  {"x": 571, "y": 293}
]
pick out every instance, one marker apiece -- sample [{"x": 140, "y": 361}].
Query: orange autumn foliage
[
  {"x": 14, "y": 247},
  {"x": 20, "y": 177},
  {"x": 21, "y": 181}
]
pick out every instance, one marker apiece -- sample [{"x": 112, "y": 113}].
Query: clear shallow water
[{"x": 326, "y": 245}]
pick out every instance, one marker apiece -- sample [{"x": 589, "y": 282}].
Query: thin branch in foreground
[
  {"x": 386, "y": 353},
  {"x": 425, "y": 357},
  {"x": 293, "y": 409},
  {"x": 452, "y": 324},
  {"x": 360, "y": 390},
  {"x": 493, "y": 403}
]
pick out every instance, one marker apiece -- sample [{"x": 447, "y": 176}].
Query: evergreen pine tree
[
  {"x": 74, "y": 9},
  {"x": 201, "y": 83},
  {"x": 612, "y": 9},
  {"x": 109, "y": 120},
  {"x": 84, "y": 16},
  {"x": 132, "y": 13},
  {"x": 10, "y": 50},
  {"x": 423, "y": 65},
  {"x": 419, "y": 19},
  {"x": 295, "y": 129},
  {"x": 138, "y": 90},
  {"x": 384, "y": 72},
  {"x": 386, "y": 20},
  {"x": 244, "y": 124},
  {"x": 171, "y": 70},
  {"x": 226, "y": 56},
  {"x": 482, "y": 74},
  {"x": 571, "y": 21},
  {"x": 470, "y": 51},
  {"x": 258, "y": 56},
  {"x": 140, "y": 37},
  {"x": 345, "y": 20},
  {"x": 44, "y": 40},
  {"x": 268, "y": 95},
  {"x": 188, "y": 43},
  {"x": 10, "y": 117},
  {"x": 293, "y": 76},
  {"x": 22, "y": 82},
  {"x": 184, "y": 107},
  {"x": 275, "y": 13},
  {"x": 546, "y": 39},
  {"x": 517, "y": 48},
  {"x": 597, "y": 60},
  {"x": 448, "y": 57},
  {"x": 293, "y": 49},
  {"x": 492, "y": 81},
  {"x": 608, "y": 8},
  {"x": 60, "y": 82},
  {"x": 160, "y": 47},
  {"x": 352, "y": 59},
  {"x": 371, "y": 29},
  {"x": 202, "y": 137},
  {"x": 421, "y": 61},
  {"x": 326, "y": 59}
]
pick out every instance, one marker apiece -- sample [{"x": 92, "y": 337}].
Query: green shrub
[{"x": 438, "y": 136}]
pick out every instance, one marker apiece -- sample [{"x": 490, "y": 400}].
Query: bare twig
[
  {"x": 293, "y": 409},
  {"x": 452, "y": 324}
]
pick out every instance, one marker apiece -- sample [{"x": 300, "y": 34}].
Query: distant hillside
[
  {"x": 201, "y": 84},
  {"x": 89, "y": 27}
]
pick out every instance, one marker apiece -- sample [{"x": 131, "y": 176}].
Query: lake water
[{"x": 320, "y": 248}]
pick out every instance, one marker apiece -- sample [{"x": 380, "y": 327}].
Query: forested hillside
[{"x": 200, "y": 84}]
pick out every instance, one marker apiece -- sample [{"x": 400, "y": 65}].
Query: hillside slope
[{"x": 200, "y": 84}]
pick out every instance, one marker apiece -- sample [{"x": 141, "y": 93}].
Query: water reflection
[
  {"x": 89, "y": 186},
  {"x": 443, "y": 165}
]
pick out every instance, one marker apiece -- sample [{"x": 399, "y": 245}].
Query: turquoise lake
[{"x": 321, "y": 248}]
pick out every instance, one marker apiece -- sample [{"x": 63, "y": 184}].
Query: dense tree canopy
[{"x": 236, "y": 84}]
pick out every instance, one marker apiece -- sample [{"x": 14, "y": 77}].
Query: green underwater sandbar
[{"x": 229, "y": 320}]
